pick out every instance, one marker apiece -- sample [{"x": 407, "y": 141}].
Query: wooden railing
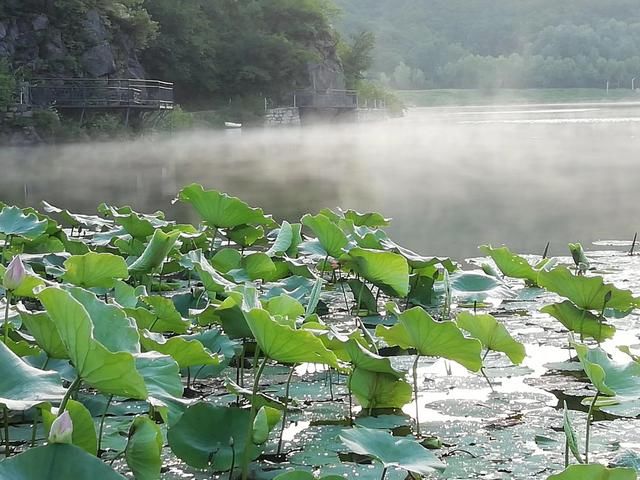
[{"x": 98, "y": 93}]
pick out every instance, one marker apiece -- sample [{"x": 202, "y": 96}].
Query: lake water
[{"x": 451, "y": 178}]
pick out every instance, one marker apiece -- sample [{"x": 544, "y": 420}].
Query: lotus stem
[
  {"x": 413, "y": 287},
  {"x": 5, "y": 413},
  {"x": 384, "y": 473},
  {"x": 72, "y": 388},
  {"x": 254, "y": 396},
  {"x": 358, "y": 305},
  {"x": 584, "y": 312},
  {"x": 286, "y": 408},
  {"x": 233, "y": 458},
  {"x": 6, "y": 316},
  {"x": 350, "y": 399},
  {"x": 566, "y": 454},
  {"x": 34, "y": 430},
  {"x": 329, "y": 374},
  {"x": 588, "y": 433},
  {"x": 7, "y": 242},
  {"x": 415, "y": 394},
  {"x": 344, "y": 293},
  {"x": 104, "y": 415},
  {"x": 633, "y": 244}
]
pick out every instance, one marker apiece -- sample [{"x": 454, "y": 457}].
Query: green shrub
[{"x": 7, "y": 85}]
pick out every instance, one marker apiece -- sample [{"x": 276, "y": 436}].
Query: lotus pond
[{"x": 137, "y": 347}]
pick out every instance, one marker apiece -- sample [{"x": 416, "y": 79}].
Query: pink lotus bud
[
  {"x": 15, "y": 274},
  {"x": 61, "y": 429}
]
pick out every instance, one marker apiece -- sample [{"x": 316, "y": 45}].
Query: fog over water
[{"x": 451, "y": 178}]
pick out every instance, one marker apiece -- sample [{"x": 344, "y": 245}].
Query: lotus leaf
[
  {"x": 13, "y": 221},
  {"x": 285, "y": 344},
  {"x": 84, "y": 430},
  {"x": 220, "y": 210},
  {"x": 224, "y": 260},
  {"x": 162, "y": 379},
  {"x": 283, "y": 241},
  {"x": 144, "y": 449},
  {"x": 263, "y": 423},
  {"x": 23, "y": 386},
  {"x": 389, "y": 271},
  {"x": 493, "y": 335},
  {"x": 111, "y": 373},
  {"x": 284, "y": 306},
  {"x": 212, "y": 280},
  {"x": 198, "y": 439},
  {"x": 612, "y": 379},
  {"x": 332, "y": 239},
  {"x": 166, "y": 317},
  {"x": 595, "y": 471},
  {"x": 369, "y": 219},
  {"x": 95, "y": 270},
  {"x": 511, "y": 264},
  {"x": 156, "y": 251},
  {"x": 364, "y": 359},
  {"x": 184, "y": 351},
  {"x": 580, "y": 321},
  {"x": 391, "y": 451},
  {"x": 417, "y": 329},
  {"x": 590, "y": 293},
  {"x": 579, "y": 257},
  {"x": 245, "y": 235},
  {"x": 379, "y": 390},
  {"x": 56, "y": 462},
  {"x": 363, "y": 294}
]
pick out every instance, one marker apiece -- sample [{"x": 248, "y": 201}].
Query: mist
[{"x": 451, "y": 179}]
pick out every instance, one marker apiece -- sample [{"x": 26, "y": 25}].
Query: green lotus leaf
[
  {"x": 20, "y": 347},
  {"x": 379, "y": 390},
  {"x": 422, "y": 288},
  {"x": 218, "y": 343},
  {"x": 95, "y": 270},
  {"x": 296, "y": 229},
  {"x": 245, "y": 235},
  {"x": 224, "y": 260},
  {"x": 198, "y": 440},
  {"x": 389, "y": 271},
  {"x": 580, "y": 321},
  {"x": 212, "y": 280},
  {"x": 184, "y": 351},
  {"x": 361, "y": 358},
  {"x": 111, "y": 326},
  {"x": 23, "y": 386},
  {"x": 55, "y": 462},
  {"x": 579, "y": 257},
  {"x": 161, "y": 376},
  {"x": 417, "y": 329},
  {"x": 156, "y": 251},
  {"x": 220, "y": 210},
  {"x": 332, "y": 239},
  {"x": 369, "y": 219},
  {"x": 260, "y": 400},
  {"x": 302, "y": 475},
  {"x": 511, "y": 264},
  {"x": 136, "y": 224},
  {"x": 285, "y": 344},
  {"x": 126, "y": 295},
  {"x": 493, "y": 335},
  {"x": 284, "y": 306},
  {"x": 391, "y": 451},
  {"x": 571, "y": 435},
  {"x": 111, "y": 373},
  {"x": 13, "y": 222},
  {"x": 28, "y": 284},
  {"x": 595, "y": 471},
  {"x": 91, "y": 222},
  {"x": 610, "y": 378},
  {"x": 144, "y": 449},
  {"x": 258, "y": 266},
  {"x": 363, "y": 293},
  {"x": 283, "y": 241},
  {"x": 416, "y": 261},
  {"x": 590, "y": 293},
  {"x": 474, "y": 286},
  {"x": 165, "y": 315},
  {"x": 230, "y": 313},
  {"x": 314, "y": 297},
  {"x": 263, "y": 423},
  {"x": 84, "y": 430}
]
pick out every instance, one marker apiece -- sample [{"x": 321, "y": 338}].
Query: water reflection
[{"x": 451, "y": 179}]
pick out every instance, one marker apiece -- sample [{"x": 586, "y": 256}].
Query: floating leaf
[
  {"x": 391, "y": 451},
  {"x": 493, "y": 335}
]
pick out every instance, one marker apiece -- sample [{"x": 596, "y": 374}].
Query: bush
[{"x": 7, "y": 85}]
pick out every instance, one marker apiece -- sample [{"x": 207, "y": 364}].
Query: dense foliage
[{"x": 500, "y": 43}]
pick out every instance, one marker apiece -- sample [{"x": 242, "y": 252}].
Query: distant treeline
[{"x": 500, "y": 43}]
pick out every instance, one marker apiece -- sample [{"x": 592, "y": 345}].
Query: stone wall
[
  {"x": 16, "y": 127},
  {"x": 276, "y": 117}
]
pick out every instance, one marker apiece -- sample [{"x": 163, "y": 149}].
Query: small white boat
[{"x": 232, "y": 125}]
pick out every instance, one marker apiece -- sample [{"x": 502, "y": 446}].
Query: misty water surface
[{"x": 451, "y": 179}]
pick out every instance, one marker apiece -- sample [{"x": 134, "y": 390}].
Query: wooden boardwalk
[{"x": 104, "y": 94}]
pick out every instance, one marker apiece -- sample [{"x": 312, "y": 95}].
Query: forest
[{"x": 424, "y": 44}]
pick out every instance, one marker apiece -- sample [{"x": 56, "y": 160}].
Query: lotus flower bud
[
  {"x": 61, "y": 429},
  {"x": 15, "y": 274}
]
